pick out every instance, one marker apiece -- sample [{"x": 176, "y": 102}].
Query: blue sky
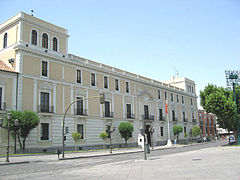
[{"x": 198, "y": 38}]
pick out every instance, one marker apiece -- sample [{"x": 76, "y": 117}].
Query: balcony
[
  {"x": 108, "y": 114},
  {"x": 194, "y": 120},
  {"x": 2, "y": 106},
  {"x": 161, "y": 118},
  {"x": 45, "y": 109},
  {"x": 81, "y": 112},
  {"x": 185, "y": 120},
  {"x": 174, "y": 119},
  {"x": 148, "y": 117},
  {"x": 130, "y": 116}
]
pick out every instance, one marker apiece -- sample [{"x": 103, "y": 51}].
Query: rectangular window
[
  {"x": 79, "y": 106},
  {"x": 93, "y": 79},
  {"x": 173, "y": 116},
  {"x": 44, "y": 106},
  {"x": 116, "y": 85},
  {"x": 191, "y": 102},
  {"x": 185, "y": 129},
  {"x": 146, "y": 113},
  {"x": 1, "y": 103},
  {"x": 79, "y": 78},
  {"x": 80, "y": 130},
  {"x": 107, "y": 109},
  {"x": 161, "y": 131},
  {"x": 177, "y": 99},
  {"x": 182, "y": 100},
  {"x": 184, "y": 120},
  {"x": 105, "y": 82},
  {"x": 165, "y": 95},
  {"x": 160, "y": 114},
  {"x": 44, "y": 68},
  {"x": 127, "y": 87},
  {"x": 44, "y": 131},
  {"x": 171, "y": 97},
  {"x": 159, "y": 94},
  {"x": 129, "y": 111}
]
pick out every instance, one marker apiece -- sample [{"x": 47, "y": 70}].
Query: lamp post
[
  {"x": 109, "y": 132},
  {"x": 232, "y": 79},
  {"x": 151, "y": 129}
]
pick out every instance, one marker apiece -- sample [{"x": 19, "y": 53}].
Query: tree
[
  {"x": 76, "y": 137},
  {"x": 196, "y": 131},
  {"x": 28, "y": 120},
  {"x": 219, "y": 101},
  {"x": 125, "y": 129},
  {"x": 103, "y": 136},
  {"x": 185, "y": 136},
  {"x": 177, "y": 130}
]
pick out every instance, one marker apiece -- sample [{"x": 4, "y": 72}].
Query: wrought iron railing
[
  {"x": 45, "y": 109},
  {"x": 81, "y": 112}
]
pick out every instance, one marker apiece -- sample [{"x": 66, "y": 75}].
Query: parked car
[{"x": 231, "y": 140}]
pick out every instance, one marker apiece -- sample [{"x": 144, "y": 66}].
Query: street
[{"x": 201, "y": 161}]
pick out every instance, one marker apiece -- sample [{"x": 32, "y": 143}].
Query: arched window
[
  {"x": 45, "y": 40},
  {"x": 5, "y": 40},
  {"x": 34, "y": 37},
  {"x": 55, "y": 44}
]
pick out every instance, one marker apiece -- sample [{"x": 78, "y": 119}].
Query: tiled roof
[{"x": 4, "y": 67}]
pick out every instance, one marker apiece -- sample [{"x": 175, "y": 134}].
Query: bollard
[{"x": 58, "y": 151}]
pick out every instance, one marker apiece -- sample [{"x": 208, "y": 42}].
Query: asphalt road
[{"x": 50, "y": 169}]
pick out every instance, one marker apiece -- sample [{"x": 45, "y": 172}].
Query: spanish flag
[{"x": 166, "y": 110}]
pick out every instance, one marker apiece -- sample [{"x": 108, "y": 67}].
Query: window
[
  {"x": 80, "y": 130},
  {"x": 146, "y": 113},
  {"x": 1, "y": 104},
  {"x": 105, "y": 82},
  {"x": 185, "y": 129},
  {"x": 184, "y": 120},
  {"x": 116, "y": 85},
  {"x": 173, "y": 116},
  {"x": 160, "y": 114},
  {"x": 177, "y": 99},
  {"x": 34, "y": 37},
  {"x": 159, "y": 94},
  {"x": 79, "y": 78},
  {"x": 193, "y": 117},
  {"x": 44, "y": 68},
  {"x": 93, "y": 81},
  {"x": 45, "y": 40},
  {"x": 191, "y": 102},
  {"x": 165, "y": 95},
  {"x": 55, "y": 44},
  {"x": 161, "y": 131},
  {"x": 171, "y": 97},
  {"x": 44, "y": 107},
  {"x": 182, "y": 100},
  {"x": 127, "y": 87},
  {"x": 44, "y": 131},
  {"x": 5, "y": 40},
  {"x": 79, "y": 106},
  {"x": 107, "y": 109},
  {"x": 129, "y": 111}
]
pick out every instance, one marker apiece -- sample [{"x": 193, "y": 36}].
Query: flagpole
[{"x": 169, "y": 143}]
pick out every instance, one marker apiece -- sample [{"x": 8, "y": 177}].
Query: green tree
[
  {"x": 28, "y": 120},
  {"x": 177, "y": 130},
  {"x": 125, "y": 129},
  {"x": 76, "y": 137},
  {"x": 185, "y": 136},
  {"x": 219, "y": 101},
  {"x": 103, "y": 136},
  {"x": 196, "y": 131}
]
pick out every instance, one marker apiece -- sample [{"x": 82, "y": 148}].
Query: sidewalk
[{"x": 21, "y": 159}]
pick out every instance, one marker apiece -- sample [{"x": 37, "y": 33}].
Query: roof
[{"x": 4, "y": 67}]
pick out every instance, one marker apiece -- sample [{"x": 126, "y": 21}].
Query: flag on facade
[{"x": 166, "y": 111}]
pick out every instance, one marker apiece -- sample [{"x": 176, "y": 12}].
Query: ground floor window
[
  {"x": 185, "y": 129},
  {"x": 80, "y": 130},
  {"x": 44, "y": 131},
  {"x": 161, "y": 131}
]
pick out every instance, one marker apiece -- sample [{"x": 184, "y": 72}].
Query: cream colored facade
[{"x": 48, "y": 78}]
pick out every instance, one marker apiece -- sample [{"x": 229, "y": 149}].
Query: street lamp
[
  {"x": 232, "y": 79},
  {"x": 151, "y": 130},
  {"x": 109, "y": 132}
]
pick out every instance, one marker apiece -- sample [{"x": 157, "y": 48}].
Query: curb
[{"x": 9, "y": 163}]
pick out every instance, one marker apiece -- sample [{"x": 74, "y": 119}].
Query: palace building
[{"x": 37, "y": 73}]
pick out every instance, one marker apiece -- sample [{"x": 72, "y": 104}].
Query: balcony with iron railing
[
  {"x": 81, "y": 112},
  {"x": 148, "y": 117},
  {"x": 174, "y": 119},
  {"x": 130, "y": 116},
  {"x": 185, "y": 120},
  {"x": 108, "y": 114},
  {"x": 161, "y": 118},
  {"x": 45, "y": 109},
  {"x": 2, "y": 106},
  {"x": 194, "y": 120}
]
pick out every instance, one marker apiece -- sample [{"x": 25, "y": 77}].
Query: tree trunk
[
  {"x": 23, "y": 149},
  {"x": 19, "y": 140},
  {"x": 125, "y": 142},
  {"x": 75, "y": 147},
  {"x": 235, "y": 136}
]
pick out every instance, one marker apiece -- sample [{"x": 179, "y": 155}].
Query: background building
[{"x": 47, "y": 79}]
